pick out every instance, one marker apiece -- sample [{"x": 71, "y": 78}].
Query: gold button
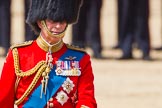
[
  {"x": 62, "y": 97},
  {"x": 51, "y": 105}
]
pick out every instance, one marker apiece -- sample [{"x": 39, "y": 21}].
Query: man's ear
[{"x": 39, "y": 24}]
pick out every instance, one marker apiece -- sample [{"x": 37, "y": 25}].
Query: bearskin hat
[{"x": 56, "y": 10}]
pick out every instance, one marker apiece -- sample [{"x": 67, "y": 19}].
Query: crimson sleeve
[
  {"x": 86, "y": 97},
  {"x": 7, "y": 83}
]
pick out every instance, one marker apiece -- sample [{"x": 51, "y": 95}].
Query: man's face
[
  {"x": 52, "y": 31},
  {"x": 55, "y": 27}
]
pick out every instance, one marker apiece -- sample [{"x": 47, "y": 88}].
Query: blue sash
[{"x": 54, "y": 84}]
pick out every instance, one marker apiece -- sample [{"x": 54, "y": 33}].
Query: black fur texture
[{"x": 56, "y": 10}]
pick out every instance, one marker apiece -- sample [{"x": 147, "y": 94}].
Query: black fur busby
[{"x": 56, "y": 10}]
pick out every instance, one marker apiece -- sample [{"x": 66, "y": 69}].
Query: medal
[
  {"x": 68, "y": 85},
  {"x": 69, "y": 67},
  {"x": 62, "y": 97}
]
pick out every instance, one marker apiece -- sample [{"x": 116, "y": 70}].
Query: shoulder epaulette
[
  {"x": 26, "y": 43},
  {"x": 75, "y": 48}
]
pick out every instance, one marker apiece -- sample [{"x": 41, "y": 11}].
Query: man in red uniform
[{"x": 46, "y": 72}]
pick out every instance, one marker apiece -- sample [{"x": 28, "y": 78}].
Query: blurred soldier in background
[
  {"x": 87, "y": 31},
  {"x": 119, "y": 19},
  {"x": 134, "y": 27},
  {"x": 5, "y": 25}
]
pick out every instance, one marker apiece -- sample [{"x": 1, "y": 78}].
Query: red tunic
[{"x": 29, "y": 56}]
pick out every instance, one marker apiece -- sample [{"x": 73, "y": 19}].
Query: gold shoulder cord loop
[
  {"x": 32, "y": 85},
  {"x": 19, "y": 72},
  {"x": 39, "y": 68}
]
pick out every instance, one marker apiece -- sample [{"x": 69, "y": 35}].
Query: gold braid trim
[
  {"x": 32, "y": 85},
  {"x": 17, "y": 68},
  {"x": 75, "y": 48},
  {"x": 23, "y": 44},
  {"x": 83, "y": 106},
  {"x": 39, "y": 68},
  {"x": 31, "y": 71},
  {"x": 17, "y": 83}
]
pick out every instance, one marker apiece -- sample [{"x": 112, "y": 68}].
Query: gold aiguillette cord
[{"x": 45, "y": 74}]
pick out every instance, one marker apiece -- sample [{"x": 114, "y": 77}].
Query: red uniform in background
[{"x": 26, "y": 61}]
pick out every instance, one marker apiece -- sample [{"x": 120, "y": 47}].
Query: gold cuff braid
[{"x": 83, "y": 106}]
